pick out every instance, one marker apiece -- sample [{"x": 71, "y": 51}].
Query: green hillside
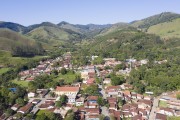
[
  {"x": 166, "y": 29},
  {"x": 155, "y": 19},
  {"x": 124, "y": 43},
  {"x": 18, "y": 44},
  {"x": 52, "y": 35}
]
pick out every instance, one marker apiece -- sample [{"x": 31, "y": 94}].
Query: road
[
  {"x": 105, "y": 112},
  {"x": 102, "y": 91},
  {"x": 153, "y": 110},
  {"x": 36, "y": 107}
]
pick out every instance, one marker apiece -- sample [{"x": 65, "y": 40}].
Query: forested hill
[
  {"x": 18, "y": 44},
  {"x": 128, "y": 42}
]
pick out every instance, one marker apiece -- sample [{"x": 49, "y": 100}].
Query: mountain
[
  {"x": 88, "y": 30},
  {"x": 13, "y": 26},
  {"x": 114, "y": 27},
  {"x": 18, "y": 44},
  {"x": 50, "y": 33},
  {"x": 155, "y": 19}
]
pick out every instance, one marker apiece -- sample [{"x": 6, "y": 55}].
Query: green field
[
  {"x": 163, "y": 104},
  {"x": 166, "y": 29},
  {"x": 21, "y": 83},
  {"x": 68, "y": 78},
  {"x": 3, "y": 70}
]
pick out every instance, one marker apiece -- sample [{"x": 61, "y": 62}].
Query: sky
[{"x": 28, "y": 12}]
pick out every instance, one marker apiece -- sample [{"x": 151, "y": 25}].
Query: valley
[{"x": 91, "y": 72}]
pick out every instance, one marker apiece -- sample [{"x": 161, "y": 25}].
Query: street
[{"x": 155, "y": 105}]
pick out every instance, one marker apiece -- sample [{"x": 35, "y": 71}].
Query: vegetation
[
  {"x": 19, "y": 45},
  {"x": 167, "y": 30},
  {"x": 91, "y": 90},
  {"x": 156, "y": 78},
  {"x": 117, "y": 80},
  {"x": 47, "y": 115},
  {"x": 62, "y": 101}
]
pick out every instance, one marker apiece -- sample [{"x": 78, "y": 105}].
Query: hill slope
[
  {"x": 18, "y": 44},
  {"x": 166, "y": 29},
  {"x": 155, "y": 19}
]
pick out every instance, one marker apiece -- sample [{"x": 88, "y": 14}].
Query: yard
[
  {"x": 163, "y": 103},
  {"x": 68, "y": 78},
  {"x": 21, "y": 83}
]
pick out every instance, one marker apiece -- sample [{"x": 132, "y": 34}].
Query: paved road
[
  {"x": 36, "y": 107},
  {"x": 102, "y": 91},
  {"x": 105, "y": 112},
  {"x": 153, "y": 110}
]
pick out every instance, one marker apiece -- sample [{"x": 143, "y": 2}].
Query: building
[
  {"x": 67, "y": 90},
  {"x": 25, "y": 109}
]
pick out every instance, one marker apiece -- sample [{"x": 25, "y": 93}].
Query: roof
[
  {"x": 92, "y": 97},
  {"x": 161, "y": 116},
  {"x": 26, "y": 107},
  {"x": 69, "y": 89}
]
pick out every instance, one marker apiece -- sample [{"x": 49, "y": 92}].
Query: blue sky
[{"x": 27, "y": 12}]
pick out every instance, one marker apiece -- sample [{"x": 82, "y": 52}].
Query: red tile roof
[{"x": 69, "y": 89}]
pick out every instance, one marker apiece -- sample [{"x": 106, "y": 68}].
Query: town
[{"x": 100, "y": 94}]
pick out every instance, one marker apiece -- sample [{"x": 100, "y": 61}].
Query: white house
[{"x": 31, "y": 94}]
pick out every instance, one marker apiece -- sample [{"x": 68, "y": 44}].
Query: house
[
  {"x": 15, "y": 107},
  {"x": 147, "y": 97},
  {"x": 48, "y": 104},
  {"x": 71, "y": 99},
  {"x": 90, "y": 81},
  {"x": 127, "y": 93},
  {"x": 67, "y": 90},
  {"x": 92, "y": 111},
  {"x": 107, "y": 81},
  {"x": 113, "y": 106},
  {"x": 139, "y": 96},
  {"x": 144, "y": 103},
  {"x": 36, "y": 101},
  {"x": 80, "y": 101},
  {"x": 166, "y": 111},
  {"x": 92, "y": 99},
  {"x": 31, "y": 95},
  {"x": 84, "y": 74},
  {"x": 92, "y": 117},
  {"x": 91, "y": 102},
  {"x": 25, "y": 109},
  {"x": 160, "y": 117}
]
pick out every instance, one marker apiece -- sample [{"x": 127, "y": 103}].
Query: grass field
[
  {"x": 21, "y": 83},
  {"x": 3, "y": 70},
  {"x": 69, "y": 77},
  {"x": 167, "y": 29},
  {"x": 163, "y": 104}
]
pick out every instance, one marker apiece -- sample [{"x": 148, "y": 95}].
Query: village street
[
  {"x": 153, "y": 110},
  {"x": 42, "y": 100}
]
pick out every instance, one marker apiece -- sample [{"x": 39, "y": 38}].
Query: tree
[
  {"x": 92, "y": 90},
  {"x": 178, "y": 96},
  {"x": 120, "y": 66},
  {"x": 70, "y": 115},
  {"x": 55, "y": 72},
  {"x": 117, "y": 80},
  {"x": 9, "y": 112},
  {"x": 101, "y": 101},
  {"x": 41, "y": 117},
  {"x": 120, "y": 102},
  {"x": 62, "y": 101},
  {"x": 20, "y": 101},
  {"x": 63, "y": 71}
]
